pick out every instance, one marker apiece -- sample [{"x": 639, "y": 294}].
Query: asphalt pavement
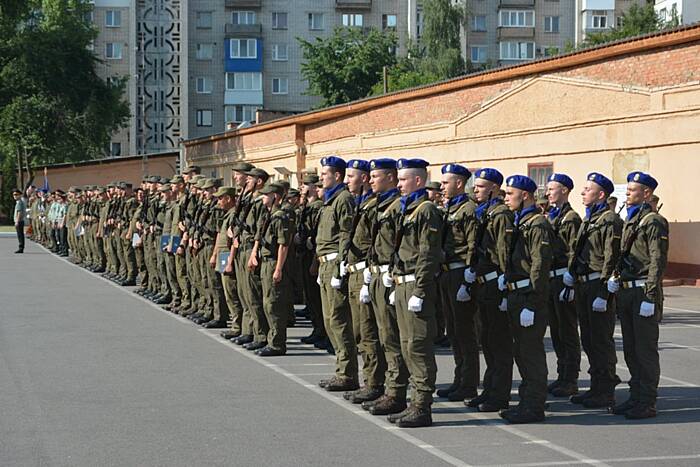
[{"x": 93, "y": 375}]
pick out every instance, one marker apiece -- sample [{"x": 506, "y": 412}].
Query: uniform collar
[
  {"x": 363, "y": 197},
  {"x": 459, "y": 199},
  {"x": 636, "y": 209},
  {"x": 484, "y": 207},
  {"x": 388, "y": 194},
  {"x": 408, "y": 200},
  {"x": 328, "y": 195},
  {"x": 555, "y": 211},
  {"x": 596, "y": 208},
  {"x": 524, "y": 213}
]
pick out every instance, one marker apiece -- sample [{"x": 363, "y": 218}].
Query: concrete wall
[
  {"x": 127, "y": 169},
  {"x": 612, "y": 113}
]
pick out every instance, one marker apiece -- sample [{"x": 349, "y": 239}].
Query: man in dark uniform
[
  {"x": 527, "y": 276},
  {"x": 486, "y": 274},
  {"x": 594, "y": 260},
  {"x": 563, "y": 321},
  {"x": 457, "y": 304},
  {"x": 640, "y": 295}
]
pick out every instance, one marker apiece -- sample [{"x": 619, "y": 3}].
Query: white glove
[
  {"x": 387, "y": 280},
  {"x": 318, "y": 280},
  {"x": 646, "y": 309},
  {"x": 527, "y": 318},
  {"x": 335, "y": 283},
  {"x": 600, "y": 305},
  {"x": 469, "y": 276},
  {"x": 309, "y": 243},
  {"x": 566, "y": 295},
  {"x": 504, "y": 305},
  {"x": 463, "y": 294},
  {"x": 415, "y": 304},
  {"x": 568, "y": 279},
  {"x": 502, "y": 282},
  {"x": 364, "y": 294},
  {"x": 343, "y": 268},
  {"x": 613, "y": 285},
  {"x": 367, "y": 276},
  {"x": 392, "y": 298}
]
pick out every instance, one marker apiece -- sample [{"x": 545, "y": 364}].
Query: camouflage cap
[
  {"x": 212, "y": 183},
  {"x": 192, "y": 168},
  {"x": 177, "y": 179},
  {"x": 125, "y": 185},
  {"x": 194, "y": 179},
  {"x": 164, "y": 180},
  {"x": 310, "y": 179},
  {"x": 145, "y": 178},
  {"x": 241, "y": 166},
  {"x": 226, "y": 191},
  {"x": 293, "y": 193},
  {"x": 201, "y": 181},
  {"x": 256, "y": 172},
  {"x": 433, "y": 186},
  {"x": 153, "y": 179},
  {"x": 271, "y": 188},
  {"x": 164, "y": 188},
  {"x": 285, "y": 184}
]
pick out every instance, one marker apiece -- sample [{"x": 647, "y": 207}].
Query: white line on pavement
[
  {"x": 612, "y": 461},
  {"x": 685, "y": 310}
]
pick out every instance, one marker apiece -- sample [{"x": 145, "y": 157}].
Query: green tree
[
  {"x": 345, "y": 66},
  {"x": 635, "y": 21},
  {"x": 53, "y": 105}
]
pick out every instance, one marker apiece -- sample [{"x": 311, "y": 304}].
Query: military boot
[
  {"x": 367, "y": 393},
  {"x": 641, "y": 411},
  {"x": 624, "y": 407},
  {"x": 389, "y": 405},
  {"x": 446, "y": 391},
  {"x": 582, "y": 396},
  {"x": 395, "y": 417},
  {"x": 342, "y": 384},
  {"x": 565, "y": 389},
  {"x": 477, "y": 401},
  {"x": 599, "y": 401},
  {"x": 416, "y": 417},
  {"x": 553, "y": 385},
  {"x": 461, "y": 394},
  {"x": 522, "y": 415}
]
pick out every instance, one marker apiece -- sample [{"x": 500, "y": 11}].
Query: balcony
[
  {"x": 598, "y": 5},
  {"x": 516, "y": 3},
  {"x": 243, "y": 3},
  {"x": 242, "y": 30},
  {"x": 353, "y": 4},
  {"x": 516, "y": 33}
]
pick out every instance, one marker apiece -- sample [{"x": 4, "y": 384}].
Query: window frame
[
  {"x": 520, "y": 44},
  {"x": 248, "y": 41},
  {"x": 204, "y": 80},
  {"x": 517, "y": 13},
  {"x": 275, "y": 52},
  {"x": 275, "y": 20},
  {"x": 255, "y": 80},
  {"x": 198, "y": 17},
  {"x": 113, "y": 12},
  {"x": 280, "y": 80},
  {"x": 551, "y": 30},
  {"x": 349, "y": 20},
  {"x": 200, "y": 46},
  {"x": 243, "y": 108},
  {"x": 385, "y": 22},
  {"x": 311, "y": 17},
  {"x": 548, "y": 168},
  {"x": 113, "y": 57},
  {"x": 200, "y": 120},
  {"x": 247, "y": 13},
  {"x": 474, "y": 25}
]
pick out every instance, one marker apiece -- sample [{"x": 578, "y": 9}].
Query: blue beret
[
  {"x": 382, "y": 164},
  {"x": 603, "y": 181},
  {"x": 456, "y": 169},
  {"x": 491, "y": 175},
  {"x": 333, "y": 161},
  {"x": 358, "y": 164},
  {"x": 563, "y": 179},
  {"x": 522, "y": 182},
  {"x": 644, "y": 179},
  {"x": 411, "y": 164}
]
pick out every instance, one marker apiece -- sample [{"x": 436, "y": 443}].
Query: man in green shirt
[{"x": 19, "y": 218}]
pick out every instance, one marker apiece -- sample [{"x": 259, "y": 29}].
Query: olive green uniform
[
  {"x": 645, "y": 236},
  {"x": 334, "y": 225},
  {"x": 458, "y": 245},
  {"x": 228, "y": 281},
  {"x": 563, "y": 320},
  {"x": 527, "y": 273},
  {"x": 416, "y": 264},
  {"x": 305, "y": 249},
  {"x": 597, "y": 252}
]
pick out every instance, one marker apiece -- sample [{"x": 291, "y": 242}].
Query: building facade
[
  {"x": 596, "y": 16},
  {"x": 685, "y": 11}
]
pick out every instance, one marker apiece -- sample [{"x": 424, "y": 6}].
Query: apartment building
[
  {"x": 595, "y": 16},
  {"x": 686, "y": 11}
]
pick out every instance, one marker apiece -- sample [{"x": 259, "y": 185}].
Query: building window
[
  {"x": 316, "y": 21},
  {"x": 113, "y": 18},
  {"x": 540, "y": 173},
  {"x": 243, "y": 81},
  {"x": 517, "y": 50},
  {"x": 205, "y": 51},
  {"x": 280, "y": 52},
  {"x": 350, "y": 20},
  {"x": 203, "y": 85},
  {"x": 240, "y": 113},
  {"x": 479, "y": 23},
  {"x": 244, "y": 48},
  {"x": 419, "y": 23},
  {"x": 113, "y": 50},
  {"x": 517, "y": 19},
  {"x": 279, "y": 20},
  {"x": 243, "y": 17},
  {"x": 115, "y": 149},
  {"x": 478, "y": 53},
  {"x": 599, "y": 20},
  {"x": 204, "y": 19},
  {"x": 388, "y": 21},
  {"x": 280, "y": 85},
  {"x": 551, "y": 24},
  {"x": 204, "y": 117}
]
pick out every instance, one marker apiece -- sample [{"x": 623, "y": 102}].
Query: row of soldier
[{"x": 378, "y": 262}]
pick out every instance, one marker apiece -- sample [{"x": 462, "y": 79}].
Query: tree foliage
[
  {"x": 635, "y": 21},
  {"x": 345, "y": 66},
  {"x": 53, "y": 105}
]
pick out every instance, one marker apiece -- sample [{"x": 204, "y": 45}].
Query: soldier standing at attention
[
  {"x": 334, "y": 226},
  {"x": 527, "y": 276},
  {"x": 457, "y": 304},
  {"x": 495, "y": 227},
  {"x": 596, "y": 254},
  {"x": 19, "y": 218},
  {"x": 355, "y": 254},
  {"x": 272, "y": 248},
  {"x": 416, "y": 263},
  {"x": 640, "y": 294},
  {"x": 563, "y": 321}
]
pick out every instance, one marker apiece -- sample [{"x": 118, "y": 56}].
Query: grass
[{"x": 7, "y": 228}]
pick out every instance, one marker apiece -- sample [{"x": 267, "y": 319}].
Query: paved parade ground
[{"x": 94, "y": 375}]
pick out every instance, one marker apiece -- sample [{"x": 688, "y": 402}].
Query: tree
[
  {"x": 345, "y": 66},
  {"x": 635, "y": 21},
  {"x": 53, "y": 105}
]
